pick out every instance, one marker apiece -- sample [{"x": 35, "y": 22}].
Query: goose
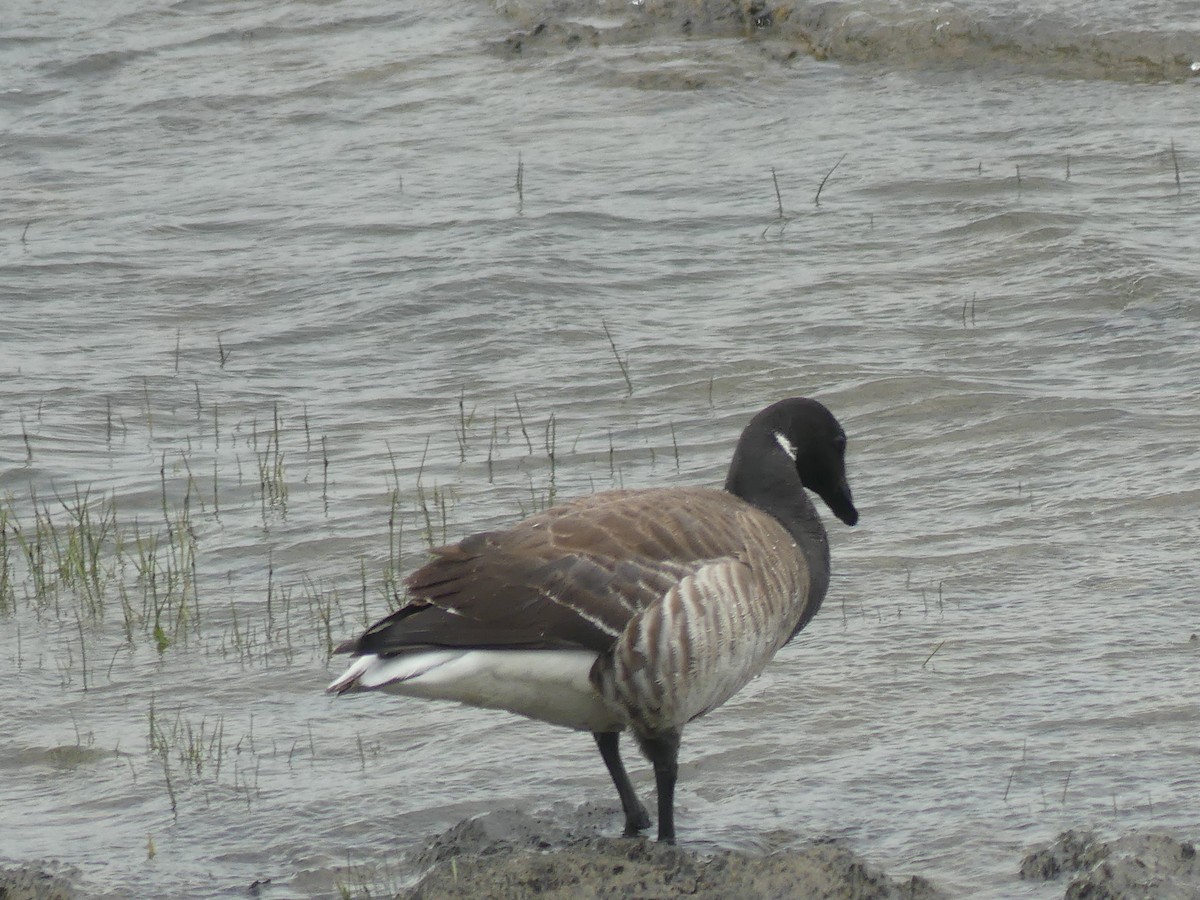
[{"x": 626, "y": 609}]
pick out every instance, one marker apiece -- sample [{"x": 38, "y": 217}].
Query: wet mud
[
  {"x": 509, "y": 854},
  {"x": 1140, "y": 866}
]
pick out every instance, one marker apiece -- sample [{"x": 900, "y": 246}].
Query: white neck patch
[{"x": 788, "y": 447}]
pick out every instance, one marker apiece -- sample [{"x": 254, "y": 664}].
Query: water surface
[{"x": 276, "y": 315}]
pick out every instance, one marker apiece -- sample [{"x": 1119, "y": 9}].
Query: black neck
[{"x": 772, "y": 484}]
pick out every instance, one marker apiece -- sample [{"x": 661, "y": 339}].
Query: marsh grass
[
  {"x": 828, "y": 175},
  {"x": 551, "y": 443},
  {"x": 520, "y": 183},
  {"x": 968, "y": 311},
  {"x": 325, "y": 474},
  {"x": 65, "y": 549},
  {"x": 622, "y": 364},
  {"x": 194, "y": 746},
  {"x": 198, "y": 756},
  {"x": 78, "y": 556},
  {"x": 781, "y": 219},
  {"x": 101, "y": 571},
  {"x": 464, "y": 425},
  {"x": 25, "y": 439},
  {"x": 367, "y": 881},
  {"x": 492, "y": 448},
  {"x": 272, "y": 474},
  {"x": 521, "y": 420},
  {"x": 435, "y": 512},
  {"x": 7, "y": 591},
  {"x": 395, "y": 526}
]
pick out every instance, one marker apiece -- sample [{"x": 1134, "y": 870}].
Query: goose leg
[
  {"x": 662, "y": 749},
  {"x": 636, "y": 817}
]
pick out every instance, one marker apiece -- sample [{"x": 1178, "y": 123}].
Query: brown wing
[{"x": 572, "y": 576}]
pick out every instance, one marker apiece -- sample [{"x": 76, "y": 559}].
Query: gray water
[{"x": 290, "y": 291}]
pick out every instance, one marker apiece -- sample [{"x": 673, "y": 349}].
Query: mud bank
[
  {"x": 610, "y": 867},
  {"x": 1142, "y": 866},
  {"x": 507, "y": 854},
  {"x": 39, "y": 881}
]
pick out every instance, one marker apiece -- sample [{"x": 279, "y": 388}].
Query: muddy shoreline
[
  {"x": 512, "y": 854},
  {"x": 468, "y": 862}
]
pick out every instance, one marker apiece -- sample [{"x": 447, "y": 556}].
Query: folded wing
[{"x": 572, "y": 577}]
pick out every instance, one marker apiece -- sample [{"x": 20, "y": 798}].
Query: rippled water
[{"x": 291, "y": 290}]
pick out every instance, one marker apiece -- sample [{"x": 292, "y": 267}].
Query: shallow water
[{"x": 272, "y": 296}]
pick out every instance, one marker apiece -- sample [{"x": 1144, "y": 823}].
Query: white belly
[{"x": 550, "y": 685}]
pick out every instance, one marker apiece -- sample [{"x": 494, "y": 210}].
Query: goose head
[{"x": 797, "y": 438}]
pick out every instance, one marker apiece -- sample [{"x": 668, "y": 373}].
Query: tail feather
[
  {"x": 550, "y": 685},
  {"x": 349, "y": 679},
  {"x": 371, "y": 671}
]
